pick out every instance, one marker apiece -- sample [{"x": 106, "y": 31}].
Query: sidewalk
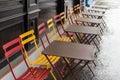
[
  {"x": 108, "y": 61},
  {"x": 108, "y": 67}
]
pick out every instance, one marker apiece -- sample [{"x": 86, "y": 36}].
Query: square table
[
  {"x": 93, "y": 22},
  {"x": 89, "y": 33},
  {"x": 94, "y": 15},
  {"x": 70, "y": 50},
  {"x": 83, "y": 29},
  {"x": 96, "y": 10},
  {"x": 100, "y": 7}
]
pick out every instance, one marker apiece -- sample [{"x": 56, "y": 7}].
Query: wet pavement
[{"x": 108, "y": 60}]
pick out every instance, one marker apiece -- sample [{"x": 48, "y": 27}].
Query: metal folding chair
[
  {"x": 72, "y": 16},
  {"x": 54, "y": 32},
  {"x": 60, "y": 20},
  {"x": 31, "y": 73},
  {"x": 29, "y": 37},
  {"x": 43, "y": 37}
]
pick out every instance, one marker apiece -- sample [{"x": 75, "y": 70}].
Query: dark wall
[
  {"x": 16, "y": 17},
  {"x": 47, "y": 9},
  {"x": 60, "y": 6},
  {"x": 11, "y": 21},
  {"x": 75, "y": 2},
  {"x": 50, "y": 8},
  {"x": 19, "y": 16}
]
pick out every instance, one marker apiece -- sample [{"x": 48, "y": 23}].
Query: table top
[
  {"x": 92, "y": 14},
  {"x": 90, "y": 20},
  {"x": 83, "y": 29},
  {"x": 94, "y": 9},
  {"x": 71, "y": 50},
  {"x": 100, "y": 6}
]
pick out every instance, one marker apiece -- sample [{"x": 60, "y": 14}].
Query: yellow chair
[
  {"x": 29, "y": 37},
  {"x": 62, "y": 21},
  {"x": 62, "y": 24},
  {"x": 71, "y": 16},
  {"x": 55, "y": 33},
  {"x": 77, "y": 11}
]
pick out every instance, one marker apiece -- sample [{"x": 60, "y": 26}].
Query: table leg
[
  {"x": 82, "y": 67},
  {"x": 77, "y": 64},
  {"x": 96, "y": 46},
  {"x": 100, "y": 27},
  {"x": 70, "y": 68},
  {"x": 78, "y": 37},
  {"x": 53, "y": 67}
]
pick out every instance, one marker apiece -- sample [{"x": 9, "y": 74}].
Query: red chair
[{"x": 31, "y": 73}]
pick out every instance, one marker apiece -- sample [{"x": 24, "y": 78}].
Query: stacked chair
[{"x": 53, "y": 29}]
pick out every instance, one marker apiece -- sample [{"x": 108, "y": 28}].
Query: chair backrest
[
  {"x": 71, "y": 16},
  {"x": 58, "y": 20},
  {"x": 77, "y": 10},
  {"x": 42, "y": 31},
  {"x": 51, "y": 26},
  {"x": 27, "y": 38},
  {"x": 11, "y": 48},
  {"x": 62, "y": 19}
]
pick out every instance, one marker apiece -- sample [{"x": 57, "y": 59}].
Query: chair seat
[
  {"x": 35, "y": 74},
  {"x": 64, "y": 38},
  {"x": 44, "y": 62}
]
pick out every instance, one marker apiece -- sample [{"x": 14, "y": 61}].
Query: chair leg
[
  {"x": 77, "y": 64},
  {"x": 96, "y": 46},
  {"x": 53, "y": 75},
  {"x": 60, "y": 72},
  {"x": 101, "y": 29},
  {"x": 70, "y": 69}
]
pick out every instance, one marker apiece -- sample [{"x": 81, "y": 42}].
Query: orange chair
[
  {"x": 32, "y": 73},
  {"x": 28, "y": 37}
]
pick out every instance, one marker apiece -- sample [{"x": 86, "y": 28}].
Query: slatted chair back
[
  {"x": 52, "y": 30},
  {"x": 42, "y": 31},
  {"x": 11, "y": 48},
  {"x": 27, "y": 38}
]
